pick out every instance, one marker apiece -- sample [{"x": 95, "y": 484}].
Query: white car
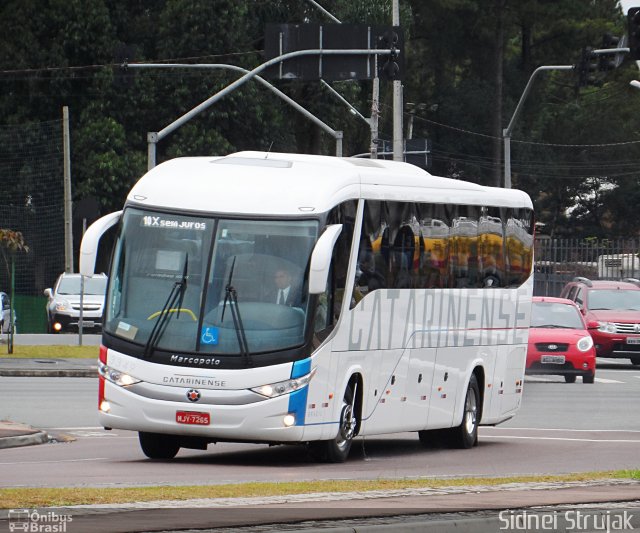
[
  {"x": 5, "y": 317},
  {"x": 63, "y": 307}
]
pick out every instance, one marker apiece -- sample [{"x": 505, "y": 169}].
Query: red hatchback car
[{"x": 559, "y": 342}]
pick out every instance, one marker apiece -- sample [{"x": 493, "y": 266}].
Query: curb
[
  {"x": 31, "y": 439},
  {"x": 486, "y": 523},
  {"x": 91, "y": 372}
]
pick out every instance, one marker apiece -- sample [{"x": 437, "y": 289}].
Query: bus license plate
[
  {"x": 193, "y": 418},
  {"x": 553, "y": 359}
]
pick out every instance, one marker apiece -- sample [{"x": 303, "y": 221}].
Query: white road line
[
  {"x": 562, "y": 429},
  {"x": 559, "y": 438},
  {"x": 79, "y": 428},
  {"x": 604, "y": 380},
  {"x": 49, "y": 462}
]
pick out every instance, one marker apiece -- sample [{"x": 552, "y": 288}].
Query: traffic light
[
  {"x": 608, "y": 61},
  {"x": 633, "y": 18},
  {"x": 587, "y": 68},
  {"x": 389, "y": 66}
]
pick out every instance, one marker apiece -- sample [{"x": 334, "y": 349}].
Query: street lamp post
[
  {"x": 154, "y": 137},
  {"x": 506, "y": 133}
]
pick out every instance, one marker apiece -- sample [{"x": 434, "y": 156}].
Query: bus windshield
[{"x": 209, "y": 285}]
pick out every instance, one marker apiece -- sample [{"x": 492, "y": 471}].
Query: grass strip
[
  {"x": 11, "y": 498},
  {"x": 57, "y": 351}
]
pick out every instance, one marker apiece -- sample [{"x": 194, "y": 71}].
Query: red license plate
[{"x": 193, "y": 418}]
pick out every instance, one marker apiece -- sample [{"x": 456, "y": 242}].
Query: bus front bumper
[{"x": 269, "y": 421}]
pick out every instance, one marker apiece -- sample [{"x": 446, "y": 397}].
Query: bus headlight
[
  {"x": 115, "y": 376},
  {"x": 585, "y": 343},
  {"x": 607, "y": 327},
  {"x": 284, "y": 387}
]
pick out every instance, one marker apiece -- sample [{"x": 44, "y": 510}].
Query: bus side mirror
[
  {"x": 90, "y": 240},
  {"x": 321, "y": 259}
]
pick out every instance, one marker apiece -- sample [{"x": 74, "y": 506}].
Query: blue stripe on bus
[
  {"x": 298, "y": 404},
  {"x": 301, "y": 368},
  {"x": 298, "y": 399}
]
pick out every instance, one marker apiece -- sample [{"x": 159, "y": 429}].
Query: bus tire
[
  {"x": 337, "y": 450},
  {"x": 158, "y": 446},
  {"x": 466, "y": 434}
]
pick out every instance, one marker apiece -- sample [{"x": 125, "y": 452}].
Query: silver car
[
  {"x": 5, "y": 317},
  {"x": 63, "y": 307}
]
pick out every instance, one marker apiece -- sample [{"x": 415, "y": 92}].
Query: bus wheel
[
  {"x": 337, "y": 450},
  {"x": 158, "y": 446},
  {"x": 466, "y": 434}
]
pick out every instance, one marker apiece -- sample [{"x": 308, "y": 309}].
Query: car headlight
[
  {"x": 115, "y": 376},
  {"x": 62, "y": 305},
  {"x": 607, "y": 327},
  {"x": 284, "y": 387},
  {"x": 585, "y": 343}
]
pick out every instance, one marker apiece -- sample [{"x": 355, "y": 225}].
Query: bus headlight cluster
[
  {"x": 585, "y": 343},
  {"x": 284, "y": 387},
  {"x": 115, "y": 376},
  {"x": 607, "y": 327}
]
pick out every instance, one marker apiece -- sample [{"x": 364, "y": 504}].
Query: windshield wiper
[
  {"x": 176, "y": 295},
  {"x": 232, "y": 295}
]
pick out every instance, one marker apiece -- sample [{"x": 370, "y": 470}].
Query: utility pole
[
  {"x": 398, "y": 147},
  {"x": 68, "y": 229},
  {"x": 375, "y": 112}
]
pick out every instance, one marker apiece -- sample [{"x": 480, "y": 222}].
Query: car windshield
[
  {"x": 614, "y": 299},
  {"x": 555, "y": 315},
  {"x": 92, "y": 285},
  {"x": 207, "y": 284}
]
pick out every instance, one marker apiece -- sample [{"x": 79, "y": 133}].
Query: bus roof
[{"x": 265, "y": 183}]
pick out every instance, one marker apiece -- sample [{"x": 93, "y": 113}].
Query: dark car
[
  {"x": 612, "y": 312},
  {"x": 559, "y": 342}
]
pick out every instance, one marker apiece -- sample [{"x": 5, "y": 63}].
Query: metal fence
[
  {"x": 558, "y": 261},
  {"x": 31, "y": 192}
]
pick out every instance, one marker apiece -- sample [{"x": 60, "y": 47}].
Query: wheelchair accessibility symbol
[{"x": 209, "y": 335}]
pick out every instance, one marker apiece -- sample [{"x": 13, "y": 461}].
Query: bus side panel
[
  {"x": 386, "y": 395},
  {"x": 422, "y": 366},
  {"x": 508, "y": 380},
  {"x": 449, "y": 372}
]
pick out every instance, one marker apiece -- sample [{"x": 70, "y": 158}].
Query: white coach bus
[{"x": 402, "y": 310}]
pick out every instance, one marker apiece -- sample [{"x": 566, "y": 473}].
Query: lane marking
[
  {"x": 78, "y": 428},
  {"x": 60, "y": 461},
  {"x": 560, "y": 438},
  {"x": 561, "y": 429},
  {"x": 604, "y": 380}
]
